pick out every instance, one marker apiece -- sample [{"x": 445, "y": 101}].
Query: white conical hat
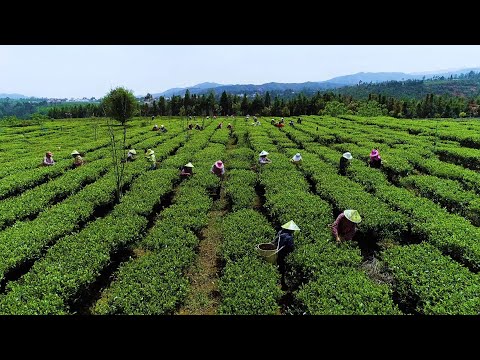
[
  {"x": 132, "y": 151},
  {"x": 149, "y": 152},
  {"x": 263, "y": 153},
  {"x": 347, "y": 156},
  {"x": 189, "y": 165},
  {"x": 75, "y": 152},
  {"x": 353, "y": 216},
  {"x": 290, "y": 226},
  {"x": 297, "y": 157}
]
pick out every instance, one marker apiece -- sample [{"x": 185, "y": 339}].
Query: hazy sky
[{"x": 92, "y": 70}]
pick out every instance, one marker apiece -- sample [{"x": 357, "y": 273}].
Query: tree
[
  {"x": 187, "y": 103},
  {"x": 119, "y": 104},
  {"x": 285, "y": 111},
  {"x": 244, "y": 105},
  {"x": 224, "y": 103},
  {"x": 210, "y": 102},
  {"x": 276, "y": 108},
  {"x": 335, "y": 108},
  {"x": 182, "y": 111},
  {"x": 257, "y": 104},
  {"x": 162, "y": 106},
  {"x": 176, "y": 104},
  {"x": 371, "y": 108},
  {"x": 268, "y": 100}
]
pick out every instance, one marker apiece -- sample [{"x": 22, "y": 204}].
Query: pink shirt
[
  {"x": 48, "y": 160},
  {"x": 344, "y": 228},
  {"x": 217, "y": 171}
]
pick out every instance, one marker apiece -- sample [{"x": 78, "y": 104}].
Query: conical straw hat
[
  {"x": 347, "y": 156},
  {"x": 297, "y": 157},
  {"x": 290, "y": 226},
  {"x": 353, "y": 216}
]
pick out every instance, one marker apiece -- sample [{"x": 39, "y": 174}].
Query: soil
[{"x": 204, "y": 297}]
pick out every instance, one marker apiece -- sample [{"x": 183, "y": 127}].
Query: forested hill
[{"x": 463, "y": 85}]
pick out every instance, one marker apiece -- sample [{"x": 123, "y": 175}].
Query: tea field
[{"x": 187, "y": 246}]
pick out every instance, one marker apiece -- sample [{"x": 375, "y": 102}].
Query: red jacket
[{"x": 343, "y": 228}]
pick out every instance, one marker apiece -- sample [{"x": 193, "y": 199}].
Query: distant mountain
[
  {"x": 13, "y": 96},
  {"x": 462, "y": 85},
  {"x": 354, "y": 79},
  {"x": 250, "y": 88},
  {"x": 193, "y": 89},
  {"x": 447, "y": 72},
  {"x": 311, "y": 86},
  {"x": 273, "y": 87},
  {"x": 206, "y": 85},
  {"x": 379, "y": 77}
]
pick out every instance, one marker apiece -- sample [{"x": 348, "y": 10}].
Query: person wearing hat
[
  {"x": 291, "y": 123},
  {"x": 296, "y": 159},
  {"x": 187, "y": 170},
  {"x": 78, "y": 160},
  {"x": 48, "y": 159},
  {"x": 131, "y": 155},
  {"x": 344, "y": 162},
  {"x": 272, "y": 121},
  {"x": 375, "y": 159},
  {"x": 299, "y": 121},
  {"x": 284, "y": 242},
  {"x": 345, "y": 226},
  {"x": 198, "y": 127},
  {"x": 218, "y": 168},
  {"x": 163, "y": 128},
  {"x": 263, "y": 158},
  {"x": 150, "y": 155},
  {"x": 229, "y": 126},
  {"x": 190, "y": 126},
  {"x": 153, "y": 117},
  {"x": 219, "y": 125},
  {"x": 155, "y": 128}
]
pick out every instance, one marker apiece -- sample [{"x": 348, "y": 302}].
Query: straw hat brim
[
  {"x": 290, "y": 226},
  {"x": 353, "y": 216}
]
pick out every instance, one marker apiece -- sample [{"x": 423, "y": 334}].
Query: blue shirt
[{"x": 286, "y": 240}]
